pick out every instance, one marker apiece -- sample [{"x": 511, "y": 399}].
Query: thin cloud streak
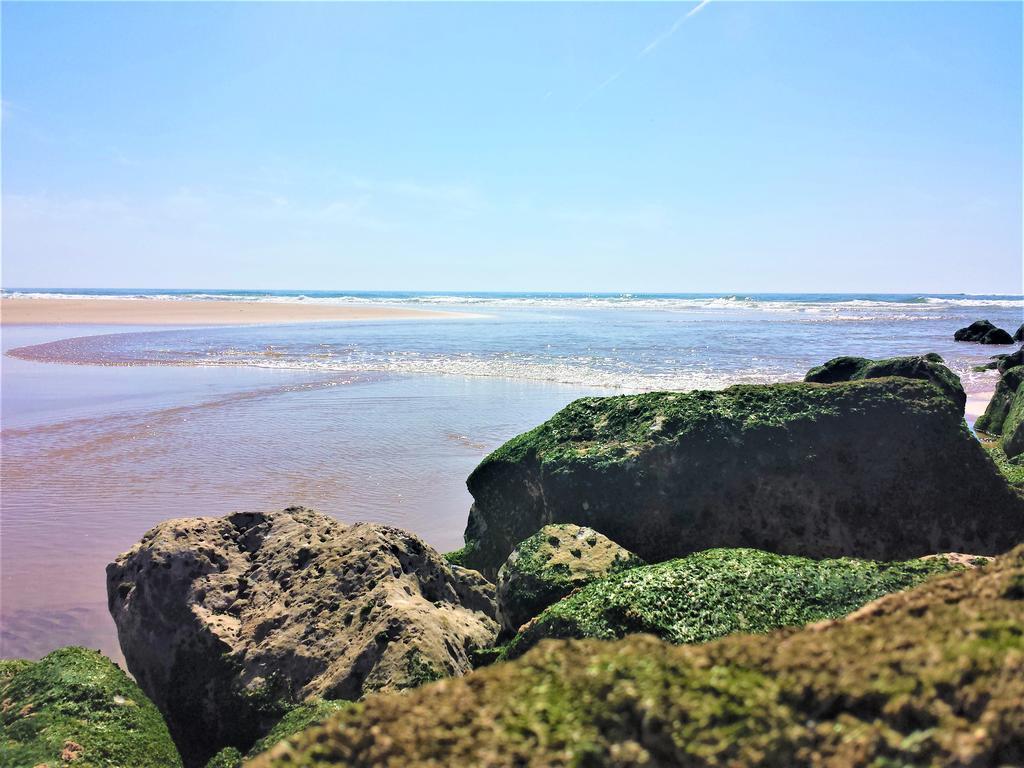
[{"x": 647, "y": 49}]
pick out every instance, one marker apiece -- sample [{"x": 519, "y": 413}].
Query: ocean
[{"x": 106, "y": 431}]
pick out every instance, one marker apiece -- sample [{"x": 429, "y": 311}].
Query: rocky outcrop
[
  {"x": 984, "y": 332},
  {"x": 1019, "y": 334},
  {"x": 76, "y": 707},
  {"x": 929, "y": 367},
  {"x": 929, "y": 677},
  {"x": 551, "y": 564},
  {"x": 714, "y": 593},
  {"x": 228, "y": 622},
  {"x": 883, "y": 469}
]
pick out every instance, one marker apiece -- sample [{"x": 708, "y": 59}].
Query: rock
[
  {"x": 929, "y": 367},
  {"x": 77, "y": 706},
  {"x": 297, "y": 719},
  {"x": 974, "y": 332},
  {"x": 991, "y": 422},
  {"x": 1012, "y": 360},
  {"x": 997, "y": 336},
  {"x": 883, "y": 469},
  {"x": 714, "y": 593},
  {"x": 228, "y": 622},
  {"x": 552, "y": 563},
  {"x": 1019, "y": 334},
  {"x": 929, "y": 677}
]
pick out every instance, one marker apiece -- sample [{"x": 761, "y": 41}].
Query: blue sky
[{"x": 621, "y": 147}]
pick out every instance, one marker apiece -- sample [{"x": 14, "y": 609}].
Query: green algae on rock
[
  {"x": 928, "y": 367},
  {"x": 717, "y": 592},
  {"x": 884, "y": 469},
  {"x": 75, "y": 705},
  {"x": 297, "y": 719},
  {"x": 1004, "y": 416},
  {"x": 929, "y": 677},
  {"x": 552, "y": 563}
]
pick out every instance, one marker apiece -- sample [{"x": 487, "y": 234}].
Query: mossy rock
[
  {"x": 928, "y": 367},
  {"x": 881, "y": 469},
  {"x": 296, "y": 720},
  {"x": 720, "y": 591},
  {"x": 552, "y": 563},
  {"x": 991, "y": 422},
  {"x": 984, "y": 332},
  {"x": 75, "y": 706},
  {"x": 933, "y": 676}
]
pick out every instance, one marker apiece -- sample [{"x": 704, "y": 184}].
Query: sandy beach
[
  {"x": 34, "y": 311},
  {"x": 977, "y": 402}
]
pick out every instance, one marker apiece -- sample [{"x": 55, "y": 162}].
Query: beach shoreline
[{"x": 40, "y": 311}]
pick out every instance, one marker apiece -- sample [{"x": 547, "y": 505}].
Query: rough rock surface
[
  {"x": 76, "y": 707},
  {"x": 929, "y": 677},
  {"x": 228, "y": 622},
  {"x": 929, "y": 367},
  {"x": 551, "y": 564},
  {"x": 984, "y": 332},
  {"x": 884, "y": 469},
  {"x": 714, "y": 593}
]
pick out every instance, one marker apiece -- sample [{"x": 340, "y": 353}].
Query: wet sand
[
  {"x": 977, "y": 402},
  {"x": 196, "y": 312}
]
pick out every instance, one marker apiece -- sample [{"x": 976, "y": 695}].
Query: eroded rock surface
[
  {"x": 551, "y": 564},
  {"x": 883, "y": 469},
  {"x": 227, "y": 622}
]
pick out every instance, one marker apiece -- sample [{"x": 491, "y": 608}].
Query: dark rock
[
  {"x": 883, "y": 469},
  {"x": 228, "y": 622},
  {"x": 1019, "y": 335},
  {"x": 75, "y": 706},
  {"x": 714, "y": 593},
  {"x": 974, "y": 332},
  {"x": 929, "y": 367},
  {"x": 991, "y": 422},
  {"x": 551, "y": 564},
  {"x": 1012, "y": 360},
  {"x": 928, "y": 677},
  {"x": 997, "y": 336}
]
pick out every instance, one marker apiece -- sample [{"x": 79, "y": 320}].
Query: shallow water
[{"x": 367, "y": 421}]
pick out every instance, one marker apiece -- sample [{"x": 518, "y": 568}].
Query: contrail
[{"x": 646, "y": 50}]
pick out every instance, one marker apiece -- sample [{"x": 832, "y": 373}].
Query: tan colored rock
[{"x": 225, "y": 622}]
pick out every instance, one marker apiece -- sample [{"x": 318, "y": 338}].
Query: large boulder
[
  {"x": 228, "y": 622},
  {"x": 883, "y": 469},
  {"x": 551, "y": 564},
  {"x": 983, "y": 332},
  {"x": 1019, "y": 334},
  {"x": 76, "y": 707},
  {"x": 928, "y": 367},
  {"x": 929, "y": 677},
  {"x": 710, "y": 594}
]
